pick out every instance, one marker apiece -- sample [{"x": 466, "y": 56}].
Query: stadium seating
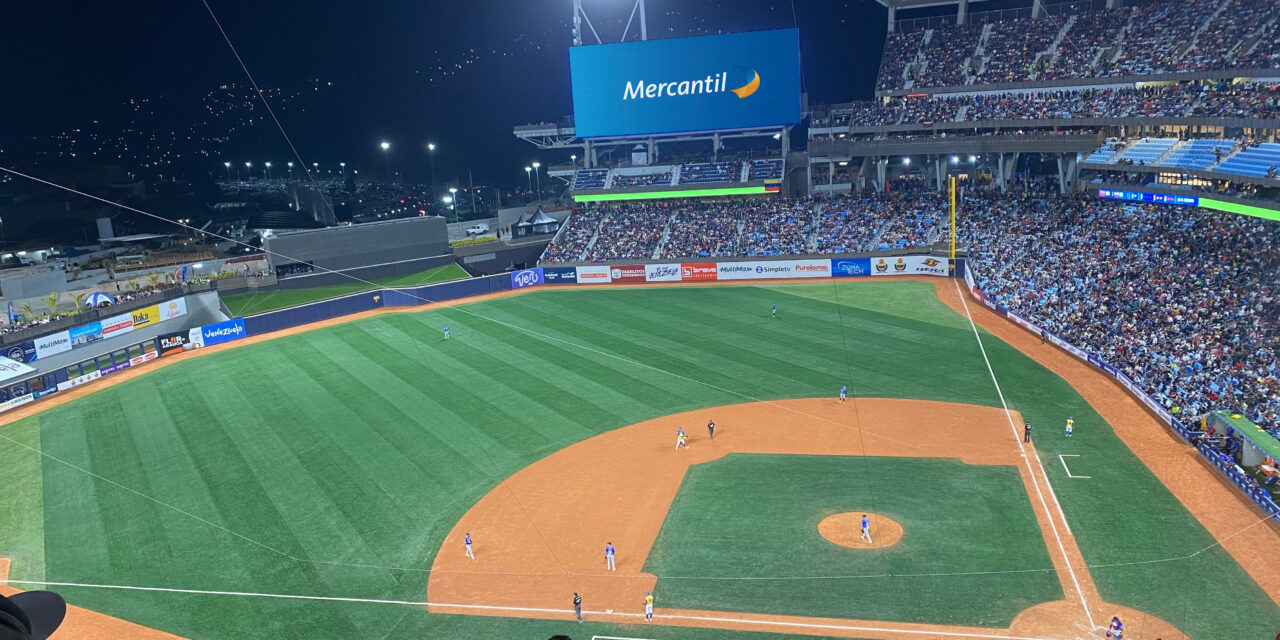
[
  {"x": 770, "y": 169},
  {"x": 1147, "y": 150},
  {"x": 1196, "y": 154},
  {"x": 1254, "y": 161},
  {"x": 642, "y": 177},
  {"x": 589, "y": 179},
  {"x": 710, "y": 172}
]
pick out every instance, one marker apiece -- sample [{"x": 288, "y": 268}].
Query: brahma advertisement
[
  {"x": 729, "y": 81},
  {"x": 909, "y": 266}
]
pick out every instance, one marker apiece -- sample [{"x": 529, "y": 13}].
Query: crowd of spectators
[
  {"x": 710, "y": 172},
  {"x": 1260, "y": 100},
  {"x": 703, "y": 230},
  {"x": 574, "y": 236},
  {"x": 768, "y": 169},
  {"x": 1182, "y": 300},
  {"x": 1012, "y": 48},
  {"x": 630, "y": 231},
  {"x": 1158, "y": 37},
  {"x": 621, "y": 180},
  {"x": 778, "y": 226}
]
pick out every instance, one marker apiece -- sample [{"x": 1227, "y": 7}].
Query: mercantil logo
[{"x": 710, "y": 84}]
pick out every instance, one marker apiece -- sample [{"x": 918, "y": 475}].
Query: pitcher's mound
[{"x": 845, "y": 529}]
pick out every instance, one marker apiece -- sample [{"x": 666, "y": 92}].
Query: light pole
[
  {"x": 529, "y": 176},
  {"x": 290, "y": 170},
  {"x": 227, "y": 164},
  {"x": 448, "y": 202},
  {"x": 574, "y": 160},
  {"x": 248, "y": 170},
  {"x": 537, "y": 178},
  {"x": 267, "y": 172},
  {"x": 386, "y": 146},
  {"x": 344, "y": 170},
  {"x": 453, "y": 195},
  {"x": 431, "y": 155}
]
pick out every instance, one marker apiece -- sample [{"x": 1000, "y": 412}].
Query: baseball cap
[{"x": 32, "y": 615}]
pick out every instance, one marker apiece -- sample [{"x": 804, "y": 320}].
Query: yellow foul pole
[{"x": 951, "y": 184}]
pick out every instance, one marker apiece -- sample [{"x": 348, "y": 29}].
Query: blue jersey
[
  {"x": 468, "y": 539},
  {"x": 865, "y": 523},
  {"x": 608, "y": 550}
]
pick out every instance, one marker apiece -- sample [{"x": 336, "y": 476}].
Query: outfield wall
[{"x": 1228, "y": 468}]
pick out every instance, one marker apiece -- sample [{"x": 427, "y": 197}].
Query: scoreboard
[{"x": 1143, "y": 196}]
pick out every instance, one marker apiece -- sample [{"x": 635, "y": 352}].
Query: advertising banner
[
  {"x": 16, "y": 402},
  {"x": 119, "y": 366},
  {"x": 137, "y": 360},
  {"x": 593, "y": 275},
  {"x": 909, "y": 266},
  {"x": 697, "y": 271},
  {"x": 527, "y": 278},
  {"x": 146, "y": 316},
  {"x": 560, "y": 275},
  {"x": 85, "y": 333},
  {"x": 173, "y": 342},
  {"x": 220, "y": 332},
  {"x": 626, "y": 273},
  {"x": 12, "y": 369},
  {"x": 662, "y": 273},
  {"x": 730, "y": 81},
  {"x": 79, "y": 380},
  {"x": 53, "y": 344},
  {"x": 737, "y": 271},
  {"x": 173, "y": 309},
  {"x": 850, "y": 267},
  {"x": 811, "y": 269},
  {"x": 117, "y": 325},
  {"x": 25, "y": 352}
]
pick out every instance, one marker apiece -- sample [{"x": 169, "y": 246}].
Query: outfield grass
[
  {"x": 757, "y": 516},
  {"x": 363, "y": 443},
  {"x": 243, "y": 304}
]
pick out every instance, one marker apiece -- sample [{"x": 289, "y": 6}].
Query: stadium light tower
[
  {"x": 573, "y": 159},
  {"x": 580, "y": 16},
  {"x": 344, "y": 170},
  {"x": 248, "y": 171},
  {"x": 290, "y": 170},
  {"x": 529, "y": 176},
  {"x": 386, "y": 146},
  {"x": 266, "y": 171},
  {"x": 537, "y": 178},
  {"x": 431, "y": 155},
  {"x": 227, "y": 164}
]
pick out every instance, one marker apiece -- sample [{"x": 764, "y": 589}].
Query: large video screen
[{"x": 734, "y": 81}]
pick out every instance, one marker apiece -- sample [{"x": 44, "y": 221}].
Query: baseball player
[
  {"x": 446, "y": 333},
  {"x": 844, "y": 391},
  {"x": 648, "y": 606},
  {"x": 608, "y": 556},
  {"x": 711, "y": 429},
  {"x": 866, "y": 529},
  {"x": 1115, "y": 630},
  {"x": 577, "y": 606},
  {"x": 775, "y": 312},
  {"x": 470, "y": 554},
  {"x": 1070, "y": 425},
  {"x": 680, "y": 437}
]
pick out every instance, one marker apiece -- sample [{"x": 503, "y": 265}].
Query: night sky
[{"x": 458, "y": 73}]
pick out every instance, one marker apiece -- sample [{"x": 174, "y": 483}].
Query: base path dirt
[
  {"x": 539, "y": 536},
  {"x": 845, "y": 529},
  {"x": 1233, "y": 520},
  {"x": 83, "y": 624}
]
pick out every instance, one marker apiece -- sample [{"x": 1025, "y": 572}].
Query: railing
[{"x": 92, "y": 315}]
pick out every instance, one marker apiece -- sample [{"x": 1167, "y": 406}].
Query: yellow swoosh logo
[{"x": 750, "y": 87}]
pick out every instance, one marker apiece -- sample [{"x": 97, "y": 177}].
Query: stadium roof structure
[{"x": 920, "y": 4}]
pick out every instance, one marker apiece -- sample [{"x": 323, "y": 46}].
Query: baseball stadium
[{"x": 991, "y": 356}]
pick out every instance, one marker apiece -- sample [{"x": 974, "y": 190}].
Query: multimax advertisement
[{"x": 734, "y": 81}]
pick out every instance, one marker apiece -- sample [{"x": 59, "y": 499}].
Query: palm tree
[
  {"x": 154, "y": 277},
  {"x": 52, "y": 301},
  {"x": 27, "y": 311},
  {"x": 80, "y": 299},
  {"x": 133, "y": 284},
  {"x": 76, "y": 270}
]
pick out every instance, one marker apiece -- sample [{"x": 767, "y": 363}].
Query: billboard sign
[
  {"x": 527, "y": 278},
  {"x": 730, "y": 81},
  {"x": 662, "y": 273},
  {"x": 85, "y": 333},
  {"x": 593, "y": 275},
  {"x": 560, "y": 275},
  {"x": 627, "y": 273},
  {"x": 694, "y": 271},
  {"x": 226, "y": 331},
  {"x": 25, "y": 352},
  {"x": 173, "y": 342},
  {"x": 850, "y": 267},
  {"x": 12, "y": 369},
  {"x": 120, "y": 324},
  {"x": 53, "y": 344},
  {"x": 173, "y": 309},
  {"x": 909, "y": 266}
]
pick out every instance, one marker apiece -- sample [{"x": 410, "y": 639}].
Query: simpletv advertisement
[{"x": 733, "y": 81}]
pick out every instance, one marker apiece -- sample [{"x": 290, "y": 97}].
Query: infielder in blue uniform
[
  {"x": 866, "y": 529},
  {"x": 470, "y": 554},
  {"x": 608, "y": 556},
  {"x": 844, "y": 391},
  {"x": 775, "y": 311}
]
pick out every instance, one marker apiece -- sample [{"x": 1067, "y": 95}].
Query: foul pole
[{"x": 951, "y": 192}]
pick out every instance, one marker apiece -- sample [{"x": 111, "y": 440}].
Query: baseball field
[{"x": 341, "y": 466}]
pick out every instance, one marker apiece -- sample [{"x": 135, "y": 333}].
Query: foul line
[
  {"x": 1063, "y": 458},
  {"x": 1066, "y": 560},
  {"x": 773, "y": 623}
]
